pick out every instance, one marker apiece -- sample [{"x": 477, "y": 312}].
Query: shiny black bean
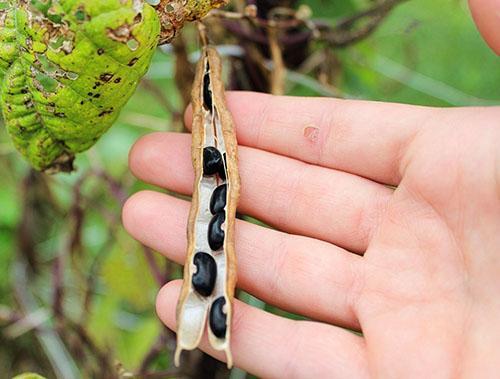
[
  {"x": 207, "y": 93},
  {"x": 218, "y": 318},
  {"x": 215, "y": 232},
  {"x": 212, "y": 161},
  {"x": 222, "y": 169},
  {"x": 206, "y": 273},
  {"x": 218, "y": 199}
]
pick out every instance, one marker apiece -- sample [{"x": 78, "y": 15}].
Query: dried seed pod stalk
[
  {"x": 174, "y": 13},
  {"x": 208, "y": 288}
]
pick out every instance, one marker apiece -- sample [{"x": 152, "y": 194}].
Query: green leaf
[{"x": 67, "y": 67}]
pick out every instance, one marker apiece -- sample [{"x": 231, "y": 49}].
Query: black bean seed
[
  {"x": 215, "y": 232},
  {"x": 218, "y": 318},
  {"x": 212, "y": 161},
  {"x": 222, "y": 170},
  {"x": 206, "y": 273},
  {"x": 207, "y": 92},
  {"x": 218, "y": 200}
]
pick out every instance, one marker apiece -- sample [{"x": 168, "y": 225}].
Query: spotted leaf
[{"x": 67, "y": 67}]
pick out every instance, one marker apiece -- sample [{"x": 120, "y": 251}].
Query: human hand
[{"x": 416, "y": 269}]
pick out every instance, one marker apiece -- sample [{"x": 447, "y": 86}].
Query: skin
[{"x": 387, "y": 221}]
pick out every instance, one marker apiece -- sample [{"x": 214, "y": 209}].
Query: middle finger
[{"x": 288, "y": 194}]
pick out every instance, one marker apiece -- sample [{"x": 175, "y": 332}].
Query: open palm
[{"x": 416, "y": 269}]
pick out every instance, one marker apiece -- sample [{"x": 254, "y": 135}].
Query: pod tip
[
  {"x": 229, "y": 359},
  {"x": 177, "y": 358}
]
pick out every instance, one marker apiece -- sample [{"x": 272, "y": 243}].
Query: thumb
[{"x": 486, "y": 14}]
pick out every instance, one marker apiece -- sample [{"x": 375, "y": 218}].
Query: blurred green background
[{"x": 426, "y": 52}]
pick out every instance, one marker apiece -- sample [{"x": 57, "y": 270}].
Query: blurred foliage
[
  {"x": 29, "y": 376},
  {"x": 426, "y": 52}
]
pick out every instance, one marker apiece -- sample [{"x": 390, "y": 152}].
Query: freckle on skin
[{"x": 311, "y": 133}]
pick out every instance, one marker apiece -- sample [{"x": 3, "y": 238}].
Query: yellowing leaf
[{"x": 67, "y": 67}]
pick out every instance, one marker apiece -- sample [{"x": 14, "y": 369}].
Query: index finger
[{"x": 364, "y": 138}]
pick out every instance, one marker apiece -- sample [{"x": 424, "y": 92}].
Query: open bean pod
[{"x": 210, "y": 269}]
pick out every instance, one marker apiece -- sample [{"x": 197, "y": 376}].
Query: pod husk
[{"x": 189, "y": 331}]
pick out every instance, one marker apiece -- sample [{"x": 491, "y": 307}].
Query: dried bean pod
[
  {"x": 218, "y": 200},
  {"x": 212, "y": 128},
  {"x": 206, "y": 273}
]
